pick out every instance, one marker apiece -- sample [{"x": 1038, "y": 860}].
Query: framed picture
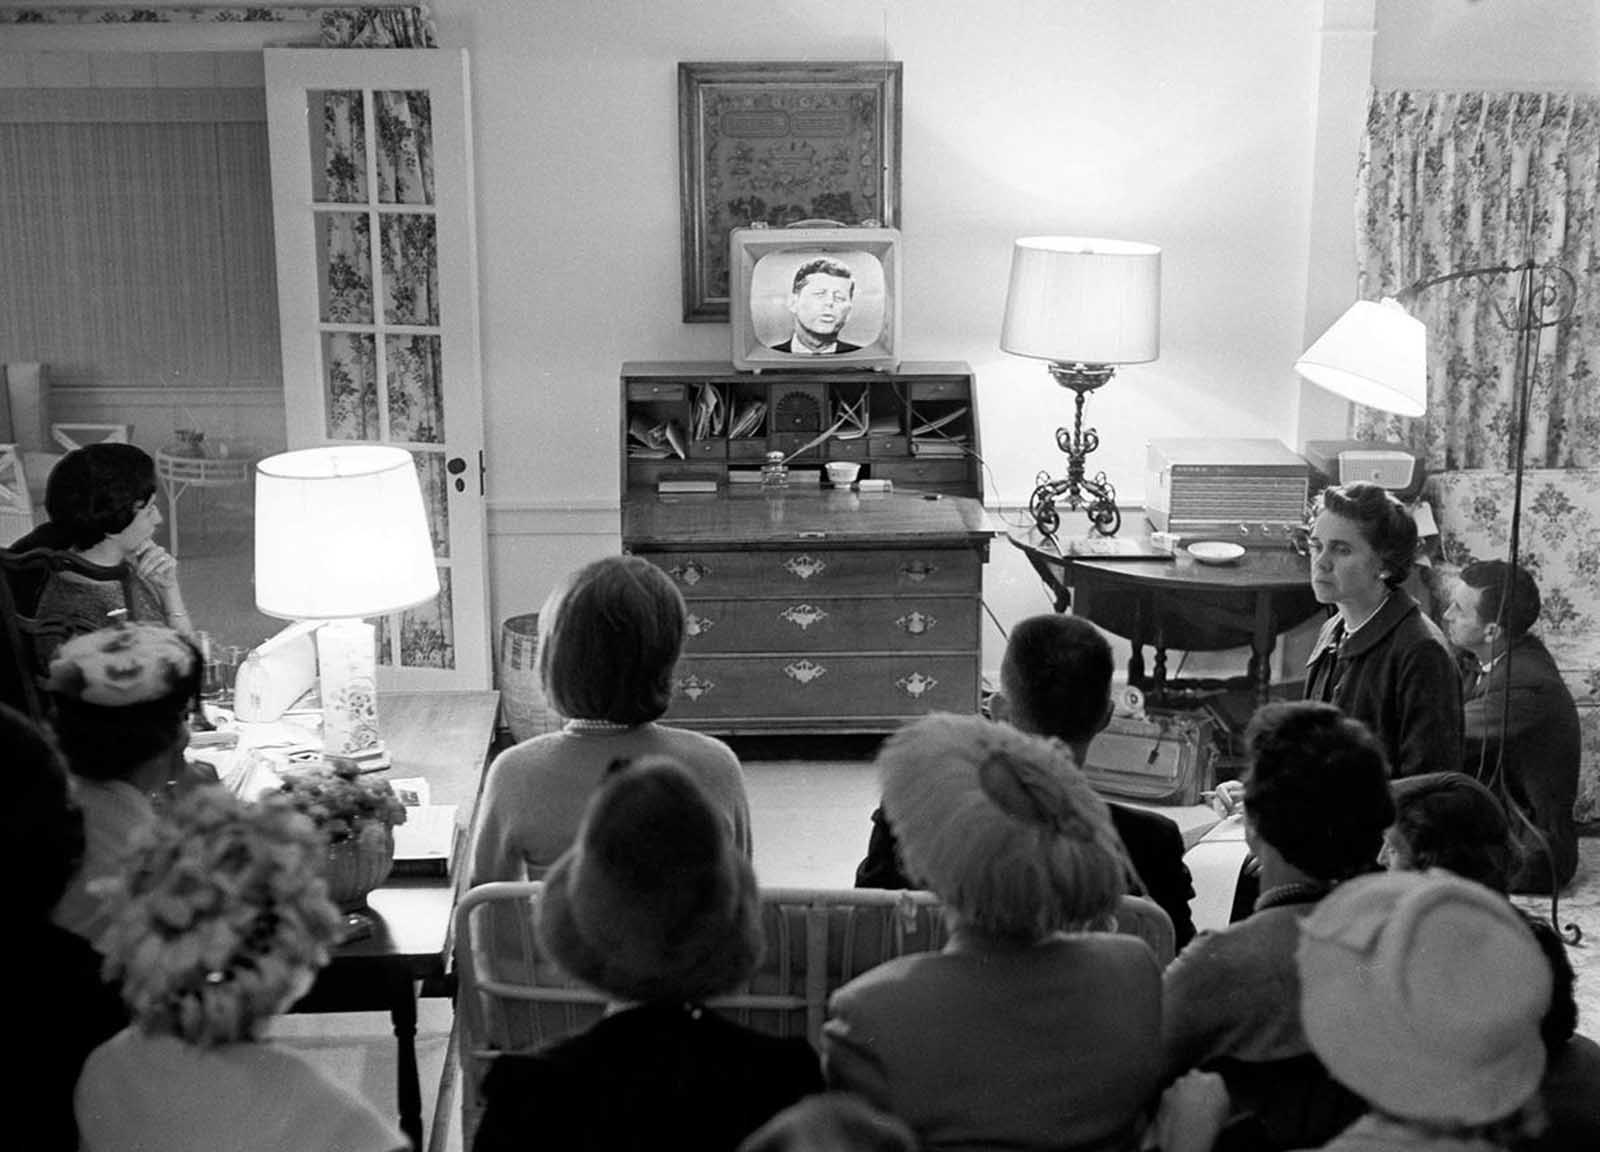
[{"x": 777, "y": 144}]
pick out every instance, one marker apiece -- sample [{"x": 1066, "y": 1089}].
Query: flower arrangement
[{"x": 345, "y": 806}]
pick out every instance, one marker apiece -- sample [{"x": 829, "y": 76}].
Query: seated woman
[
  {"x": 63, "y": 1007},
  {"x": 654, "y": 906},
  {"x": 609, "y": 641},
  {"x": 1449, "y": 820},
  {"x": 1027, "y": 1031},
  {"x": 122, "y": 698},
  {"x": 221, "y": 922},
  {"x": 1422, "y": 994},
  {"x": 1316, "y": 802},
  {"x": 102, "y": 504}
]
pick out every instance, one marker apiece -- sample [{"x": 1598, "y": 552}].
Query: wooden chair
[
  {"x": 1137, "y": 916},
  {"x": 817, "y": 940},
  {"x": 16, "y": 501},
  {"x": 22, "y": 577}
]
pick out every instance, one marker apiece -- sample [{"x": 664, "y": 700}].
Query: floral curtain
[
  {"x": 404, "y": 249},
  {"x": 1450, "y": 181}
]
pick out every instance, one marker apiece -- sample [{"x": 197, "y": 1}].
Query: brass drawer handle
[
  {"x": 690, "y": 573},
  {"x": 802, "y": 615},
  {"x": 804, "y": 566},
  {"x": 916, "y": 623},
  {"x": 697, "y": 625},
  {"x": 694, "y": 687},
  {"x": 803, "y": 671},
  {"x": 916, "y": 684},
  {"x": 917, "y": 571}
]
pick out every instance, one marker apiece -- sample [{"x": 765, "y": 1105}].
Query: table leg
[
  {"x": 408, "y": 1089},
  {"x": 1261, "y": 646}
]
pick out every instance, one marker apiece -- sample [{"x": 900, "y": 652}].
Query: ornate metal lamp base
[{"x": 1096, "y": 496}]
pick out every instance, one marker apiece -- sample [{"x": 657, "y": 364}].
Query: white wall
[
  {"x": 1187, "y": 125},
  {"x": 1537, "y": 45}
]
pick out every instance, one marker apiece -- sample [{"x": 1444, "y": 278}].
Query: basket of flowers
[{"x": 356, "y": 815}]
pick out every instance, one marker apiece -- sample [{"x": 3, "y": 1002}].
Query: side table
[{"x": 178, "y": 474}]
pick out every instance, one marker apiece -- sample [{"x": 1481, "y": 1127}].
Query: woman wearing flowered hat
[
  {"x": 220, "y": 922},
  {"x": 122, "y": 698}
]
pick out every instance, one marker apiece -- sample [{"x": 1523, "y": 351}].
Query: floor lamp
[{"x": 1375, "y": 354}]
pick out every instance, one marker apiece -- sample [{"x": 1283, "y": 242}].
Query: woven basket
[
  {"x": 522, "y": 702},
  {"x": 355, "y": 868}
]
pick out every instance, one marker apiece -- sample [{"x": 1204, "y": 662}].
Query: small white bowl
[
  {"x": 1215, "y": 551},
  {"x": 843, "y": 473}
]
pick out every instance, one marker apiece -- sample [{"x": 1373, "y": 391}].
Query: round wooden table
[{"x": 1178, "y": 602}]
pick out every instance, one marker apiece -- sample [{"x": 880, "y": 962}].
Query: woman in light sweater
[{"x": 610, "y": 637}]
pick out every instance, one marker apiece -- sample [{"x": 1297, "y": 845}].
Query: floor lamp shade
[
  {"x": 1375, "y": 354},
  {"x": 341, "y": 533},
  {"x": 1081, "y": 300}
]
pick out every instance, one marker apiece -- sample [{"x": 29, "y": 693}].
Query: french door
[{"x": 378, "y": 309}]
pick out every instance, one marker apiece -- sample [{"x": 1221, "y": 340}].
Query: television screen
[{"x": 816, "y": 299}]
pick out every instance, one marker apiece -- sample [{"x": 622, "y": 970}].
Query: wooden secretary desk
[{"x": 812, "y": 608}]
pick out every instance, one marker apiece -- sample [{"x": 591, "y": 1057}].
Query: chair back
[
  {"x": 1144, "y": 918},
  {"x": 16, "y": 502},
  {"x": 22, "y": 577},
  {"x": 511, "y": 997}
]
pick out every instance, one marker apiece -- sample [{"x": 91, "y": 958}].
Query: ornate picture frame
[{"x": 777, "y": 144}]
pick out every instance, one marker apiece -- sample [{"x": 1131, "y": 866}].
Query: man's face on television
[{"x": 822, "y": 305}]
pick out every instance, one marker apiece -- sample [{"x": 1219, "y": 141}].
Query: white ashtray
[
  {"x": 1215, "y": 551},
  {"x": 843, "y": 473}
]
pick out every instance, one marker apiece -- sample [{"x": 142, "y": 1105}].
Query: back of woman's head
[
  {"x": 221, "y": 918},
  {"x": 1317, "y": 788},
  {"x": 41, "y": 827},
  {"x": 1449, "y": 820},
  {"x": 122, "y": 695},
  {"x": 609, "y": 639},
  {"x": 94, "y": 491},
  {"x": 1002, "y": 826}
]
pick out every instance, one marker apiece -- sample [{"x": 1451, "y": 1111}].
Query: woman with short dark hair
[
  {"x": 1316, "y": 803},
  {"x": 103, "y": 508},
  {"x": 609, "y": 640},
  {"x": 1380, "y": 658}
]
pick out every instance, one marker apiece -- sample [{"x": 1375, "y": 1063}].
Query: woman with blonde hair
[
  {"x": 1029, "y": 1030},
  {"x": 221, "y": 922}
]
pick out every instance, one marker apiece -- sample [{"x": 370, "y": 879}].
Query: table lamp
[
  {"x": 341, "y": 534},
  {"x": 1085, "y": 305}
]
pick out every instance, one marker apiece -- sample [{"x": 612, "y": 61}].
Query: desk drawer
[
  {"x": 842, "y": 624},
  {"x": 821, "y": 571},
  {"x": 914, "y": 473},
  {"x": 794, "y": 685}
]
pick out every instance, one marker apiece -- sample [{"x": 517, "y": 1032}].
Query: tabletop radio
[{"x": 1252, "y": 491}]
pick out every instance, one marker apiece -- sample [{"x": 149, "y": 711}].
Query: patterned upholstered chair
[{"x": 1560, "y": 547}]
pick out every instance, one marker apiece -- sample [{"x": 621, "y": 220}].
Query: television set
[{"x": 832, "y": 293}]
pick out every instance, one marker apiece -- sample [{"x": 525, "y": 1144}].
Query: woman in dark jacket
[{"x": 1379, "y": 658}]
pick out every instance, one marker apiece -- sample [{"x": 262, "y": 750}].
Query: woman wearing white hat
[
  {"x": 1027, "y": 1031},
  {"x": 1422, "y": 993}
]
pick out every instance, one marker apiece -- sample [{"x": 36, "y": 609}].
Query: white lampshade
[
  {"x": 341, "y": 533},
  {"x": 1375, "y": 354},
  {"x": 1079, "y": 300}
]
